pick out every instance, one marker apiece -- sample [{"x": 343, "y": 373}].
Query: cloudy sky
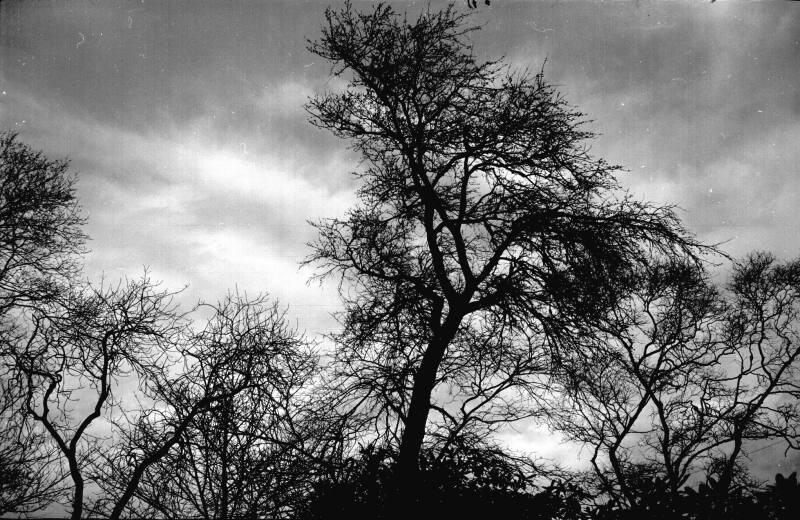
[{"x": 185, "y": 122}]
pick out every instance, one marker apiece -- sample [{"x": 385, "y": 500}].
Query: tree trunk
[
  {"x": 77, "y": 496},
  {"x": 417, "y": 418}
]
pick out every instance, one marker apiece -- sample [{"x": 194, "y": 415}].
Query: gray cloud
[{"x": 699, "y": 102}]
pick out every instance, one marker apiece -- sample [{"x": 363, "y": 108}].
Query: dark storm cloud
[
  {"x": 186, "y": 123},
  {"x": 167, "y": 65},
  {"x": 699, "y": 102}
]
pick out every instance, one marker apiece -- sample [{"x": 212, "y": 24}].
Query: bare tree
[
  {"x": 29, "y": 476},
  {"x": 107, "y": 388},
  {"x": 244, "y": 455},
  {"x": 40, "y": 225},
  {"x": 755, "y": 393},
  {"x": 689, "y": 378},
  {"x": 479, "y": 210},
  {"x": 81, "y": 355},
  {"x": 40, "y": 238}
]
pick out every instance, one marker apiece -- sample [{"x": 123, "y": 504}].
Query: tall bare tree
[{"x": 480, "y": 209}]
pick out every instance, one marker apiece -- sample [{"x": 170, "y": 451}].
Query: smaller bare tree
[
  {"x": 233, "y": 420},
  {"x": 29, "y": 479},
  {"x": 81, "y": 355},
  {"x": 40, "y": 225},
  {"x": 40, "y": 240},
  {"x": 689, "y": 377}
]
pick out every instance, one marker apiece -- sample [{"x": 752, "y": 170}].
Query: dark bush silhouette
[
  {"x": 781, "y": 499},
  {"x": 479, "y": 483},
  {"x": 778, "y": 501}
]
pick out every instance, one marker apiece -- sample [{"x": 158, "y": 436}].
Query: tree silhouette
[
  {"x": 76, "y": 356},
  {"x": 689, "y": 378},
  {"x": 40, "y": 240},
  {"x": 40, "y": 225},
  {"x": 27, "y": 480},
  {"x": 243, "y": 456},
  {"x": 109, "y": 392},
  {"x": 483, "y": 224},
  {"x": 123, "y": 386}
]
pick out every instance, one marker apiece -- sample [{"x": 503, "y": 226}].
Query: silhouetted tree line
[{"x": 492, "y": 271}]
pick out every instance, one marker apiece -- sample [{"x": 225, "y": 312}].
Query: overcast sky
[{"x": 185, "y": 122}]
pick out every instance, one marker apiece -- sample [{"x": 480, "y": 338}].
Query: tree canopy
[{"x": 483, "y": 223}]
